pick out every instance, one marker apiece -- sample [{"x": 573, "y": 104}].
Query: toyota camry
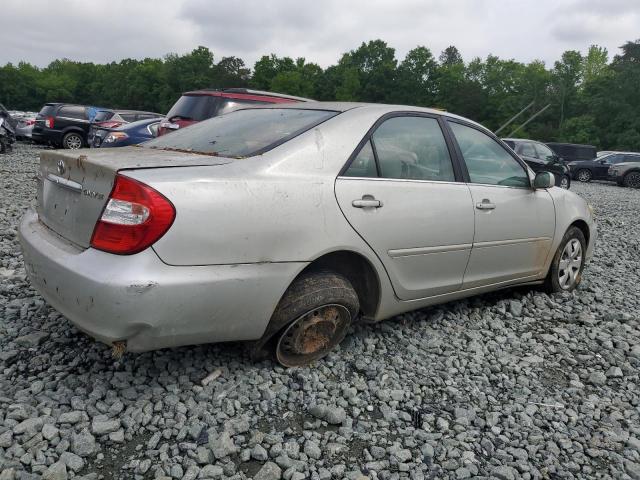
[{"x": 283, "y": 225}]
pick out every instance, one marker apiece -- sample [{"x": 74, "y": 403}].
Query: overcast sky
[{"x": 38, "y": 31}]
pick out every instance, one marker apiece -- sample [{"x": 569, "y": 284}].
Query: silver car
[{"x": 283, "y": 225}]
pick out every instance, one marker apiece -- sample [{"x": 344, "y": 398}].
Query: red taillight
[
  {"x": 135, "y": 217},
  {"x": 49, "y": 122}
]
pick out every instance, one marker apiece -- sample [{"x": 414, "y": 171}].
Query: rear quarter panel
[{"x": 277, "y": 207}]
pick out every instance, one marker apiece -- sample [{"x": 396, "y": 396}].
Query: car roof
[
  {"x": 383, "y": 108},
  {"x": 570, "y": 144}
]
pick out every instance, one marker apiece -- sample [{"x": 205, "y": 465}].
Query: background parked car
[
  {"x": 571, "y": 152},
  {"x": 541, "y": 159},
  {"x": 25, "y": 126},
  {"x": 627, "y": 172},
  {"x": 7, "y": 130},
  {"x": 200, "y": 105},
  {"x": 62, "y": 125},
  {"x": 128, "y": 134},
  {"x": 598, "y": 169},
  {"x": 105, "y": 120}
]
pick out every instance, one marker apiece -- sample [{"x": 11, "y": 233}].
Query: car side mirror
[
  {"x": 544, "y": 180},
  {"x": 603, "y": 162}
]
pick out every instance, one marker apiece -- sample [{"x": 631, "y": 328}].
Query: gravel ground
[{"x": 511, "y": 385}]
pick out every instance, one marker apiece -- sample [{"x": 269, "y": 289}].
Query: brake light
[
  {"x": 135, "y": 217},
  {"x": 49, "y": 122}
]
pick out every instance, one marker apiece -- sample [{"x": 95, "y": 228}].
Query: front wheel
[
  {"x": 632, "y": 180},
  {"x": 565, "y": 273},
  {"x": 72, "y": 141},
  {"x": 565, "y": 182},
  {"x": 312, "y": 317},
  {"x": 584, "y": 175}
]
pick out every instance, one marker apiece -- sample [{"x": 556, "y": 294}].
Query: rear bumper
[{"x": 149, "y": 304}]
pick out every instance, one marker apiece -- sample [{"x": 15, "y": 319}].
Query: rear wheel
[
  {"x": 584, "y": 175},
  {"x": 72, "y": 141},
  {"x": 565, "y": 182},
  {"x": 312, "y": 317},
  {"x": 632, "y": 180},
  {"x": 565, "y": 273}
]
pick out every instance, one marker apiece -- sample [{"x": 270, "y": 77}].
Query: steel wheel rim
[
  {"x": 633, "y": 180},
  {"x": 313, "y": 335},
  {"x": 584, "y": 176},
  {"x": 73, "y": 142},
  {"x": 570, "y": 264},
  {"x": 564, "y": 183}
]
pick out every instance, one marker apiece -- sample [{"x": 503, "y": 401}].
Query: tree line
[{"x": 592, "y": 99}]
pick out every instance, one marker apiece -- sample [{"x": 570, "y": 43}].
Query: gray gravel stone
[{"x": 269, "y": 471}]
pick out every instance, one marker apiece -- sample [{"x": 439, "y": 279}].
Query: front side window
[
  {"x": 544, "y": 152},
  {"x": 242, "y": 133},
  {"x": 528, "y": 150},
  {"x": 412, "y": 148},
  {"x": 487, "y": 161}
]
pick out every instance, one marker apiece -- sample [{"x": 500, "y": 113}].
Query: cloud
[{"x": 39, "y": 31}]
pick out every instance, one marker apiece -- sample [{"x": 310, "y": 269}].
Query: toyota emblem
[{"x": 61, "y": 167}]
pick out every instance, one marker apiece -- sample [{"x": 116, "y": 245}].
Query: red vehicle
[{"x": 193, "y": 107}]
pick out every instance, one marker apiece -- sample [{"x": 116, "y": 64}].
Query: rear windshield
[
  {"x": 103, "y": 115},
  {"x": 194, "y": 107},
  {"x": 242, "y": 133}
]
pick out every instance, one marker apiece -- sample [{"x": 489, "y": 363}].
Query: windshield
[
  {"x": 242, "y": 133},
  {"x": 194, "y": 107}
]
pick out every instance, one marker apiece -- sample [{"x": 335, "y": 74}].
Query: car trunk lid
[{"x": 74, "y": 187}]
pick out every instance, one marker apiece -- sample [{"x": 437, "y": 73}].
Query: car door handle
[
  {"x": 485, "y": 205},
  {"x": 367, "y": 201}
]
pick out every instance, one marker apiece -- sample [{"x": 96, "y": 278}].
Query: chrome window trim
[{"x": 403, "y": 180}]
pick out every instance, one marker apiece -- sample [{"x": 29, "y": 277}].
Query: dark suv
[
  {"x": 62, "y": 125},
  {"x": 105, "y": 120},
  {"x": 541, "y": 159},
  {"x": 200, "y": 105},
  {"x": 572, "y": 152}
]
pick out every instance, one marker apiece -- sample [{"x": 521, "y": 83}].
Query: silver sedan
[{"x": 283, "y": 225}]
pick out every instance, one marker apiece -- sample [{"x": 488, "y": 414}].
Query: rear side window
[
  {"x": 128, "y": 117},
  {"x": 242, "y": 133},
  {"x": 72, "y": 111},
  {"x": 47, "y": 110},
  {"x": 194, "y": 107},
  {"x": 412, "y": 148},
  {"x": 487, "y": 161}
]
